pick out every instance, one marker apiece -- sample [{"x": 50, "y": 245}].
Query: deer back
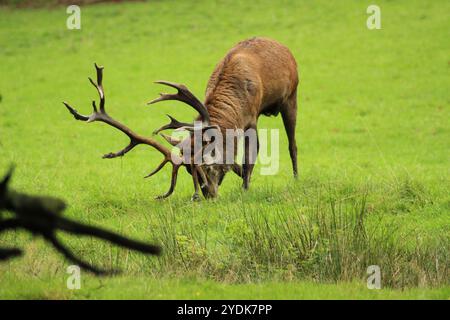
[{"x": 256, "y": 76}]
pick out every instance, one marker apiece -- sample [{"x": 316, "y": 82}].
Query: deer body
[{"x": 257, "y": 76}]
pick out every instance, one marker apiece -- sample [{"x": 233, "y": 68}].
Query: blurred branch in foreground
[{"x": 42, "y": 216}]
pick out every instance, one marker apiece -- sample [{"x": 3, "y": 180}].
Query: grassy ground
[
  {"x": 147, "y": 288},
  {"x": 373, "y": 139}
]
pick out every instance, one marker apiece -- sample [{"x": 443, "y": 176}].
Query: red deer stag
[{"x": 257, "y": 76}]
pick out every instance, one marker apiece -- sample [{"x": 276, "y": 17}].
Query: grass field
[{"x": 373, "y": 135}]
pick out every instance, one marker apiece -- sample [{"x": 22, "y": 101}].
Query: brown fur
[{"x": 256, "y": 77}]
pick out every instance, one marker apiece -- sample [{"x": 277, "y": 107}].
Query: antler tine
[
  {"x": 191, "y": 128},
  {"x": 173, "y": 182},
  {"x": 158, "y": 168},
  {"x": 173, "y": 141},
  {"x": 99, "y": 87},
  {"x": 183, "y": 95},
  {"x": 174, "y": 124},
  {"x": 122, "y": 152},
  {"x": 75, "y": 113}
]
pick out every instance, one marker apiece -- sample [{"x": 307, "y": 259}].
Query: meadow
[{"x": 373, "y": 135}]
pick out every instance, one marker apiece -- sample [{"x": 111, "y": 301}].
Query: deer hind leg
[
  {"x": 289, "y": 115},
  {"x": 250, "y": 154}
]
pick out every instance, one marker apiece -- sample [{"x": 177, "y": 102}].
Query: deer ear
[{"x": 5, "y": 180}]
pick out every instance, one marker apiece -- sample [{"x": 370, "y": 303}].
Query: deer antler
[
  {"x": 135, "y": 139},
  {"x": 183, "y": 95},
  {"x": 174, "y": 124}
]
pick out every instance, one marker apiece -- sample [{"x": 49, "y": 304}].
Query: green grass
[
  {"x": 373, "y": 140},
  {"x": 145, "y": 288}
]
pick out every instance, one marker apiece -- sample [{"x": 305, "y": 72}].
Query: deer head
[{"x": 206, "y": 172}]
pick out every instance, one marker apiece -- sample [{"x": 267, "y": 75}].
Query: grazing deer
[{"x": 257, "y": 76}]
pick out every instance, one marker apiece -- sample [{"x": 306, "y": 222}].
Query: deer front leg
[
  {"x": 251, "y": 149},
  {"x": 195, "y": 196}
]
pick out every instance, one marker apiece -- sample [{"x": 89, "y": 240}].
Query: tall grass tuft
[{"x": 324, "y": 238}]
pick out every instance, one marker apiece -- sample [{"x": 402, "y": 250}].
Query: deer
[{"x": 258, "y": 76}]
